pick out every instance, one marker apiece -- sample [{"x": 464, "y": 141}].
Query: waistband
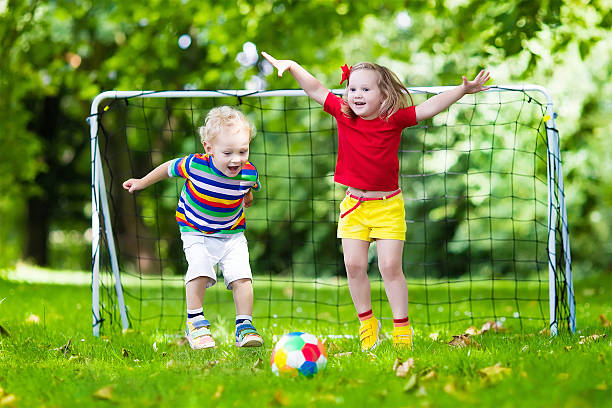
[{"x": 362, "y": 199}]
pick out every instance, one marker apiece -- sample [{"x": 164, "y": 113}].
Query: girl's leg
[
  {"x": 356, "y": 263},
  {"x": 390, "y": 266}
]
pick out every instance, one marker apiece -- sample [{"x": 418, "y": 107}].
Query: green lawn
[{"x": 48, "y": 357}]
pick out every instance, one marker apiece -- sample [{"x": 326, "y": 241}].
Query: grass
[{"x": 48, "y": 357}]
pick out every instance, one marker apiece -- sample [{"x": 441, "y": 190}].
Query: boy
[{"x": 210, "y": 214}]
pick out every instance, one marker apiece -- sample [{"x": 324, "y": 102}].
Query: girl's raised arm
[
  {"x": 311, "y": 85},
  {"x": 438, "y": 103}
]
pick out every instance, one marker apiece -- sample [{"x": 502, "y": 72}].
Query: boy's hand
[
  {"x": 132, "y": 185},
  {"x": 477, "y": 85},
  {"x": 280, "y": 65},
  {"x": 248, "y": 199}
]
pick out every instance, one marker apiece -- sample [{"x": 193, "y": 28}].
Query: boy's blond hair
[
  {"x": 223, "y": 119},
  {"x": 394, "y": 93}
]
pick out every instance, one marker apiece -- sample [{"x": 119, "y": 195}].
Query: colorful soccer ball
[{"x": 298, "y": 353}]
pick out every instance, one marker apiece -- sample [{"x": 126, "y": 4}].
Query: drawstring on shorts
[{"x": 362, "y": 199}]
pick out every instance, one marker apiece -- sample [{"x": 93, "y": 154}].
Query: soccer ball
[{"x": 298, "y": 352}]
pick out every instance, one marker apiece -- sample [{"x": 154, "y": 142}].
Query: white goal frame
[{"x": 99, "y": 201}]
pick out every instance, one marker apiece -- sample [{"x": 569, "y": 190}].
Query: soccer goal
[{"x": 487, "y": 235}]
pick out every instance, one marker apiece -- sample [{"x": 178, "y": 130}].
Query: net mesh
[{"x": 475, "y": 185}]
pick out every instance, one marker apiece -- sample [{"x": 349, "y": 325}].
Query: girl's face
[
  {"x": 230, "y": 150},
  {"x": 364, "y": 96}
]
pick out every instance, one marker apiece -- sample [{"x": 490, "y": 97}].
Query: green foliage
[{"x": 56, "y": 56}]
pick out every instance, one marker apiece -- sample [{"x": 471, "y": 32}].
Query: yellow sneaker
[
  {"x": 402, "y": 337},
  {"x": 369, "y": 334}
]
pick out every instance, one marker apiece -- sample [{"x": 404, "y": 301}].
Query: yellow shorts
[{"x": 376, "y": 219}]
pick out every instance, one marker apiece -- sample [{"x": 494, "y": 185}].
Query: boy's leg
[
  {"x": 197, "y": 329},
  {"x": 246, "y": 334},
  {"x": 390, "y": 265},
  {"x": 356, "y": 264}
]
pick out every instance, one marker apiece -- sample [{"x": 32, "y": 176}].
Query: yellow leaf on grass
[
  {"x": 604, "y": 322},
  {"x": 402, "y": 368},
  {"x": 431, "y": 375},
  {"x": 105, "y": 392},
  {"x": 494, "y": 373},
  {"x": 591, "y": 338},
  {"x": 8, "y": 399},
  {"x": 219, "y": 392},
  {"x": 280, "y": 399},
  {"x": 412, "y": 382},
  {"x": 449, "y": 388},
  {"x": 463, "y": 340},
  {"x": 33, "y": 319}
]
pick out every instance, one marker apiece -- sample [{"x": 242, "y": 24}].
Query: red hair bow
[{"x": 346, "y": 71}]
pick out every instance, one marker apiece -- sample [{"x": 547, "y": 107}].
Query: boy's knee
[{"x": 241, "y": 282}]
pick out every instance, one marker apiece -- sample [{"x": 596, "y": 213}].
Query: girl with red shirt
[{"x": 371, "y": 116}]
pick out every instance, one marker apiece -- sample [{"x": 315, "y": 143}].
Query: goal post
[{"x": 458, "y": 179}]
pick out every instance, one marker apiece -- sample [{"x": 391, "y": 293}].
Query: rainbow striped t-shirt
[{"x": 211, "y": 202}]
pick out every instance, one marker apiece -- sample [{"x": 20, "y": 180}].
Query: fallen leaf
[
  {"x": 545, "y": 332},
  {"x": 463, "y": 340},
  {"x": 105, "y": 393},
  {"x": 449, "y": 388},
  {"x": 472, "y": 330},
  {"x": 331, "y": 347},
  {"x": 411, "y": 383},
  {"x": 8, "y": 399},
  {"x": 604, "y": 322},
  {"x": 33, "y": 319},
  {"x": 494, "y": 374},
  {"x": 431, "y": 375},
  {"x": 402, "y": 368},
  {"x": 591, "y": 338},
  {"x": 257, "y": 364},
  {"x": 280, "y": 399},
  {"x": 125, "y": 352},
  {"x": 492, "y": 325},
  {"x": 219, "y": 392}
]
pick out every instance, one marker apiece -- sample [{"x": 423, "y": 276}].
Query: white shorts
[{"x": 203, "y": 252}]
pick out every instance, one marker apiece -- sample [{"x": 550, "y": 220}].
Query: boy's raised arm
[
  {"x": 155, "y": 175},
  {"x": 311, "y": 85}
]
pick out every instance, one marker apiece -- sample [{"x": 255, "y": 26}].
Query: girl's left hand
[{"x": 477, "y": 84}]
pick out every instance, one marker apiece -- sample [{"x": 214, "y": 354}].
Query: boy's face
[
  {"x": 364, "y": 96},
  {"x": 230, "y": 150}
]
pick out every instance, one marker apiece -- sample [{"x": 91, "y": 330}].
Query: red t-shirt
[{"x": 367, "y": 149}]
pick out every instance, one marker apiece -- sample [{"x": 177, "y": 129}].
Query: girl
[{"x": 371, "y": 116}]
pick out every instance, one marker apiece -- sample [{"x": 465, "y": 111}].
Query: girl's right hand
[{"x": 280, "y": 65}]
